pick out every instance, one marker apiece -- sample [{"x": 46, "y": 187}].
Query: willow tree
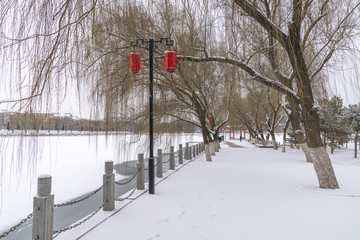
[
  {"x": 41, "y": 46},
  {"x": 308, "y": 35},
  {"x": 197, "y": 90}
]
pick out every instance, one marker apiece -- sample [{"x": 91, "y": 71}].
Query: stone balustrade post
[
  {"x": 197, "y": 149},
  {"x": 194, "y": 151},
  {"x": 140, "y": 180},
  {"x": 109, "y": 187},
  {"x": 172, "y": 158},
  {"x": 189, "y": 153},
  {"x": 180, "y": 154},
  {"x": 43, "y": 210},
  {"x": 159, "y": 164}
]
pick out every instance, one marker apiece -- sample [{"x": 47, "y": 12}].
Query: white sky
[
  {"x": 344, "y": 76},
  {"x": 344, "y": 80}
]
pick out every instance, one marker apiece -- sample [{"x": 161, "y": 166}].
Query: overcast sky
[{"x": 344, "y": 77}]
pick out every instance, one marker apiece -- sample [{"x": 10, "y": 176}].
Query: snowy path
[{"x": 245, "y": 193}]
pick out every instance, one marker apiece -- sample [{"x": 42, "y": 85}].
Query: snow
[
  {"x": 76, "y": 164},
  {"x": 245, "y": 193}
]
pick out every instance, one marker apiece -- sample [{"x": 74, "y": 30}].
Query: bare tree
[
  {"x": 307, "y": 53},
  {"x": 248, "y": 109},
  {"x": 260, "y": 111},
  {"x": 274, "y": 115}
]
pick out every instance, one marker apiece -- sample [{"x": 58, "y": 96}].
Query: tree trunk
[
  {"x": 207, "y": 152},
  {"x": 216, "y": 142},
  {"x": 295, "y": 117},
  {"x": 217, "y": 146},
  {"x": 356, "y": 140},
  {"x": 322, "y": 164},
  {"x": 205, "y": 134},
  {"x": 284, "y": 134},
  {"x": 212, "y": 148},
  {"x": 274, "y": 140},
  {"x": 332, "y": 145},
  {"x": 267, "y": 137}
]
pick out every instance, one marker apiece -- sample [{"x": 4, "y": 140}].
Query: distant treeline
[{"x": 53, "y": 121}]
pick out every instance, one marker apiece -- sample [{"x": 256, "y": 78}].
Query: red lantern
[
  {"x": 210, "y": 118},
  {"x": 134, "y": 62},
  {"x": 170, "y": 61}
]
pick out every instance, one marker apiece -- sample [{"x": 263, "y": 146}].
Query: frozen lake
[{"x": 76, "y": 164}]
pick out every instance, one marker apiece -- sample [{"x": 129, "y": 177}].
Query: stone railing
[{"x": 43, "y": 211}]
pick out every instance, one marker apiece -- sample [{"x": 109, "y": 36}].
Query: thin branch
[{"x": 254, "y": 74}]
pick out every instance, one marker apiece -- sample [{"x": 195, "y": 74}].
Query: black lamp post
[{"x": 150, "y": 43}]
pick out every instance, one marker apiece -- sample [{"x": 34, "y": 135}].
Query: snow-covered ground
[{"x": 245, "y": 193}]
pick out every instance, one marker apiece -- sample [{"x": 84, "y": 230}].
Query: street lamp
[{"x": 134, "y": 66}]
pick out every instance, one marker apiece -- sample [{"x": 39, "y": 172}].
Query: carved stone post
[
  {"x": 189, "y": 153},
  {"x": 109, "y": 187},
  {"x": 172, "y": 158},
  {"x": 159, "y": 164},
  {"x": 140, "y": 182},
  {"x": 180, "y": 154},
  {"x": 43, "y": 211}
]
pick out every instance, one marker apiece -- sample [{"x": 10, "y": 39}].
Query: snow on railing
[{"x": 43, "y": 212}]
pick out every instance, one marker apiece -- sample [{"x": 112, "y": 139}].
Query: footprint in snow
[
  {"x": 184, "y": 205},
  {"x": 156, "y": 236},
  {"x": 182, "y": 214},
  {"x": 163, "y": 221}
]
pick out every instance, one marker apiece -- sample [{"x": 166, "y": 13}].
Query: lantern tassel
[{"x": 172, "y": 78}]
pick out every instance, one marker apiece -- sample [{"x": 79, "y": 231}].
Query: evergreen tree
[
  {"x": 333, "y": 122},
  {"x": 353, "y": 117}
]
